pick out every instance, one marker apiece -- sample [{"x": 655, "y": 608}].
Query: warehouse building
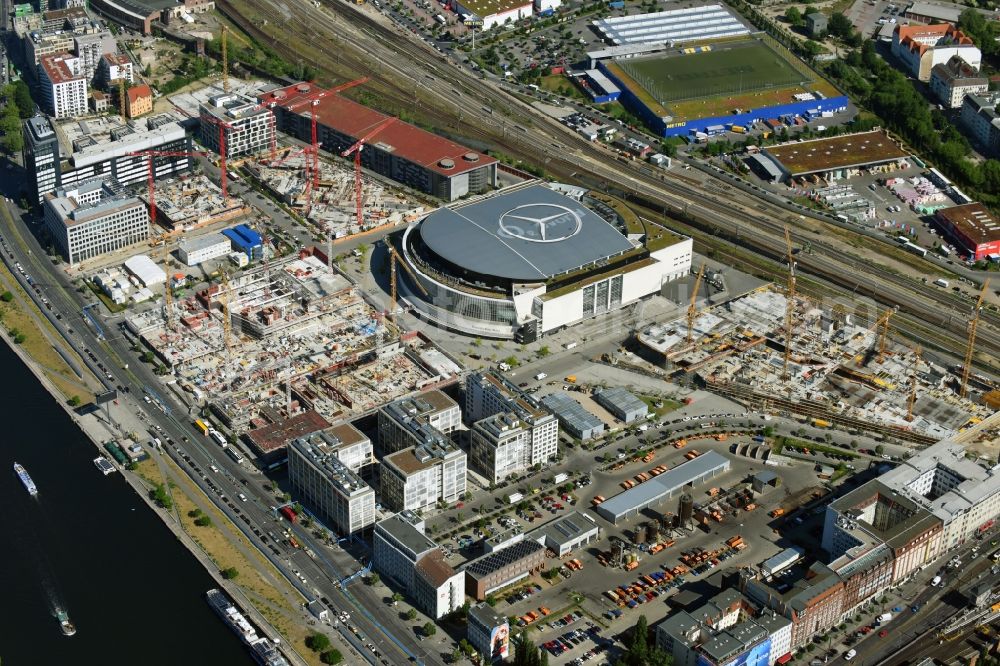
[
  {"x": 411, "y": 421},
  {"x": 980, "y": 117},
  {"x": 534, "y": 260},
  {"x": 244, "y": 126},
  {"x": 339, "y": 497},
  {"x": 193, "y": 251},
  {"x": 632, "y": 502},
  {"x": 497, "y": 12},
  {"x": 567, "y": 533},
  {"x": 675, "y": 26},
  {"x": 574, "y": 417},
  {"x": 838, "y": 157},
  {"x": 488, "y": 633},
  {"x": 422, "y": 475},
  {"x": 84, "y": 227},
  {"x": 953, "y": 80},
  {"x": 83, "y": 150},
  {"x": 145, "y": 271},
  {"x": 397, "y": 150},
  {"x": 625, "y": 406},
  {"x": 973, "y": 229},
  {"x": 405, "y": 555},
  {"x": 921, "y": 47},
  {"x": 504, "y": 567}
]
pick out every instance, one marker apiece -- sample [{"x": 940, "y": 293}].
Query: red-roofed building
[
  {"x": 920, "y": 47},
  {"x": 63, "y": 85},
  {"x": 138, "y": 100},
  {"x": 271, "y": 441},
  {"x": 115, "y": 66},
  {"x": 407, "y": 154}
]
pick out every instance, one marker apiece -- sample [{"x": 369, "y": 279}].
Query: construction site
[
  {"x": 191, "y": 202},
  {"x": 329, "y": 199},
  {"x": 833, "y": 365},
  {"x": 292, "y": 333}
]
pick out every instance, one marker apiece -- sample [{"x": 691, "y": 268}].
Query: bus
[
  {"x": 234, "y": 454},
  {"x": 200, "y": 425}
]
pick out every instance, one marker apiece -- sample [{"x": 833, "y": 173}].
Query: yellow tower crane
[
  {"x": 394, "y": 259},
  {"x": 884, "y": 332},
  {"x": 225, "y": 59},
  {"x": 913, "y": 383},
  {"x": 790, "y": 304},
  {"x": 973, "y": 324},
  {"x": 691, "y": 308},
  {"x": 121, "y": 96}
]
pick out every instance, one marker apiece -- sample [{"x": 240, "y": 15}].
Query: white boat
[
  {"x": 29, "y": 485},
  {"x": 104, "y": 465}
]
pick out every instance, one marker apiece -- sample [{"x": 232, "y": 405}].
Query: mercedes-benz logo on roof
[{"x": 540, "y": 223}]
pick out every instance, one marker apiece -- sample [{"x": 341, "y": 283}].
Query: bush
[
  {"x": 203, "y": 521},
  {"x": 6, "y": 297},
  {"x": 230, "y": 573},
  {"x": 318, "y": 642},
  {"x": 331, "y": 657}
]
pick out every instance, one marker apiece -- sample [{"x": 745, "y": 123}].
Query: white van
[
  {"x": 941, "y": 282},
  {"x": 540, "y": 376}
]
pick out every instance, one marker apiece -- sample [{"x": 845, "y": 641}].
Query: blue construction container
[{"x": 246, "y": 240}]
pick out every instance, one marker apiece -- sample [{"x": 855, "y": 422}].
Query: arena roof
[
  {"x": 672, "y": 26},
  {"x": 839, "y": 152},
  {"x": 532, "y": 233},
  {"x": 399, "y": 138}
]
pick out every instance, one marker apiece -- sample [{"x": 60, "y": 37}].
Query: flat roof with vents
[
  {"x": 801, "y": 158},
  {"x": 974, "y": 221}
]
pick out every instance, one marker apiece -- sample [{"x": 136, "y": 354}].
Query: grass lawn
[
  {"x": 658, "y": 412},
  {"x": 559, "y": 84}
]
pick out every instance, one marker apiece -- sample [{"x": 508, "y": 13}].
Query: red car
[{"x": 883, "y": 633}]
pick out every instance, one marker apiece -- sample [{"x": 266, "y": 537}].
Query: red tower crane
[
  {"x": 150, "y": 172},
  {"x": 223, "y": 126},
  {"x": 313, "y": 100},
  {"x": 356, "y": 149}
]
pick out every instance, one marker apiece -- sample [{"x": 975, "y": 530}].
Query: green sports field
[{"x": 730, "y": 69}]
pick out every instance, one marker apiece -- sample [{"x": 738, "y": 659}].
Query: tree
[
  {"x": 6, "y": 297},
  {"x": 840, "y": 26},
  {"x": 456, "y": 655},
  {"x": 332, "y": 656},
  {"x": 411, "y": 615},
  {"x": 543, "y": 351},
  {"x": 793, "y": 16},
  {"x": 879, "y": 449},
  {"x": 811, "y": 49},
  {"x": 373, "y": 579},
  {"x": 317, "y": 641},
  {"x": 10, "y": 129},
  {"x": 396, "y": 598},
  {"x": 428, "y": 629},
  {"x": 74, "y": 401},
  {"x": 230, "y": 573},
  {"x": 22, "y": 99},
  {"x": 982, "y": 32},
  {"x": 638, "y": 650}
]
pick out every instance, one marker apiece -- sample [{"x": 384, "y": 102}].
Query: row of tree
[{"x": 17, "y": 105}]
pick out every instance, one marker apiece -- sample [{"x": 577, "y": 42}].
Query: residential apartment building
[
  {"x": 246, "y": 127},
  {"x": 114, "y": 67},
  {"x": 138, "y": 101},
  {"x": 63, "y": 85},
  {"x": 83, "y": 150},
  {"x": 920, "y": 47},
  {"x": 488, "y": 633},
  {"x": 405, "y": 555},
  {"x": 99, "y": 225},
  {"x": 90, "y": 47},
  {"x": 814, "y": 603},
  {"x": 953, "y": 80},
  {"x": 401, "y": 422},
  {"x": 980, "y": 118},
  {"x": 337, "y": 494},
  {"x": 420, "y": 476},
  {"x": 490, "y": 393}
]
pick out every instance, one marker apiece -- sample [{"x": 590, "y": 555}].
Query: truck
[
  {"x": 570, "y": 345},
  {"x": 560, "y": 477},
  {"x": 820, "y": 423},
  {"x": 738, "y": 129},
  {"x": 941, "y": 282},
  {"x": 289, "y": 514},
  {"x": 540, "y": 376},
  {"x": 884, "y": 617},
  {"x": 200, "y": 425},
  {"x": 514, "y": 498},
  {"x": 571, "y": 379}
]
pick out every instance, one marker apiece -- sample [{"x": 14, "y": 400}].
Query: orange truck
[
  {"x": 631, "y": 565},
  {"x": 777, "y": 512},
  {"x": 680, "y": 443}
]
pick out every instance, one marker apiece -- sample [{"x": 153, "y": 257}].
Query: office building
[
  {"x": 953, "y": 80},
  {"x": 406, "y": 556},
  {"x": 567, "y": 533},
  {"x": 245, "y": 127},
  {"x": 490, "y": 393},
  {"x": 505, "y": 567},
  {"x": 193, "y": 251},
  {"x": 336, "y": 493},
  {"x": 86, "y": 230},
  {"x": 422, "y": 475},
  {"x": 402, "y": 423},
  {"x": 500, "y": 446},
  {"x": 488, "y": 633},
  {"x": 40, "y": 156},
  {"x": 63, "y": 85}
]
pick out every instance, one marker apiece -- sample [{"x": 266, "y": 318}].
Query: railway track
[{"x": 408, "y": 73}]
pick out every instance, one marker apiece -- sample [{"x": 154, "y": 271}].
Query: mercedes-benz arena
[{"x": 531, "y": 260}]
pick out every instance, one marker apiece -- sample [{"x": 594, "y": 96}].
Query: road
[{"x": 321, "y": 565}]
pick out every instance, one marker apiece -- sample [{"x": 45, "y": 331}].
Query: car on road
[
  {"x": 850, "y": 654},
  {"x": 883, "y": 633}
]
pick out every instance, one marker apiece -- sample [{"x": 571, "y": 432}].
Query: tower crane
[
  {"x": 691, "y": 308},
  {"x": 913, "y": 383},
  {"x": 973, "y": 324},
  {"x": 394, "y": 259},
  {"x": 121, "y": 96},
  {"x": 883, "y": 323},
  {"x": 312, "y": 99},
  {"x": 223, "y": 126},
  {"x": 356, "y": 150},
  {"x": 790, "y": 304}
]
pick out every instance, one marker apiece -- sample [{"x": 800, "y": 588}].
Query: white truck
[
  {"x": 514, "y": 498},
  {"x": 941, "y": 282},
  {"x": 884, "y": 618},
  {"x": 540, "y": 376}
]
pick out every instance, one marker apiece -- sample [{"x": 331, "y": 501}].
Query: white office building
[
  {"x": 400, "y": 422},
  {"x": 500, "y": 447},
  {"x": 194, "y": 251},
  {"x": 336, "y": 493},
  {"x": 105, "y": 223},
  {"x": 63, "y": 85},
  {"x": 419, "y": 476},
  {"x": 247, "y": 129}
]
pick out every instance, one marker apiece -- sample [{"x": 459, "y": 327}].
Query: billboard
[
  {"x": 758, "y": 655},
  {"x": 500, "y": 642}
]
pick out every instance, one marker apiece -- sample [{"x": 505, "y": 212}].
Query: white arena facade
[{"x": 532, "y": 260}]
